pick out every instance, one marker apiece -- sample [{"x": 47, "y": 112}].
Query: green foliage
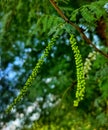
[
  {"x": 101, "y": 77},
  {"x": 50, "y": 24},
  {"x": 98, "y": 86},
  {"x": 72, "y": 120},
  {"x": 89, "y": 14},
  {"x": 25, "y": 29}
]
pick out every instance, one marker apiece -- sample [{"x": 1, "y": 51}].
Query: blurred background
[{"x": 49, "y": 102}]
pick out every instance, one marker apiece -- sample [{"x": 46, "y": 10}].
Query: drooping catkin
[
  {"x": 31, "y": 78},
  {"x": 80, "y": 71}
]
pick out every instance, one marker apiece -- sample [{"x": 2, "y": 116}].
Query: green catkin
[
  {"x": 80, "y": 71},
  {"x": 29, "y": 81}
]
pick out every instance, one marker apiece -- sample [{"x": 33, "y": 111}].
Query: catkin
[
  {"x": 31, "y": 78},
  {"x": 80, "y": 71}
]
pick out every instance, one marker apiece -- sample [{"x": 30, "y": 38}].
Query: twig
[{"x": 76, "y": 27}]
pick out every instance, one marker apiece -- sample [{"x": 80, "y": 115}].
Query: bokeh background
[{"x": 49, "y": 102}]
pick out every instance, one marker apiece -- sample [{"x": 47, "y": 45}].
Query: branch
[{"x": 76, "y": 27}]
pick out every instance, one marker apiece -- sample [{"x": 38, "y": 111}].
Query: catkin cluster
[
  {"x": 28, "y": 83},
  {"x": 87, "y": 65},
  {"x": 80, "y": 71}
]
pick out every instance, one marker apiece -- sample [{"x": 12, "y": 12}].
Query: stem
[{"x": 76, "y": 27}]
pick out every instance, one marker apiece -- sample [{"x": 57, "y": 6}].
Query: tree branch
[{"x": 76, "y": 27}]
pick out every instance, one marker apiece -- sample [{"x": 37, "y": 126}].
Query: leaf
[
  {"x": 46, "y": 23},
  {"x": 90, "y": 13}
]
